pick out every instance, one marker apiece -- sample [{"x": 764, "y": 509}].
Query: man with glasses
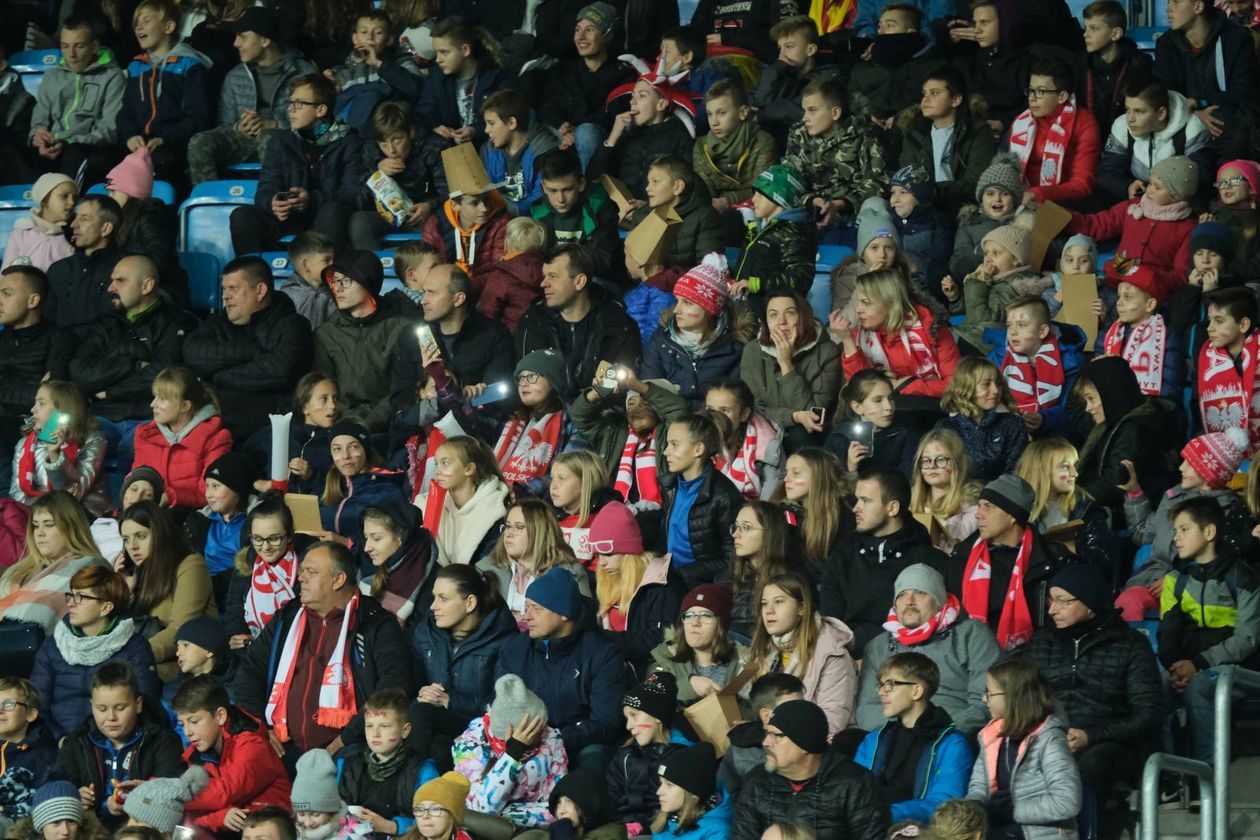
[
  {"x": 1104, "y": 676},
  {"x": 803, "y": 780},
  {"x": 864, "y": 566},
  {"x": 1057, "y": 143}
]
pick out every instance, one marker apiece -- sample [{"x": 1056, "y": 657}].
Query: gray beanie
[
  {"x": 160, "y": 802},
  {"x": 1005, "y": 173},
  {"x": 603, "y": 15},
  {"x": 549, "y": 364},
  {"x": 875, "y": 221},
  {"x": 54, "y": 802},
  {"x": 921, "y": 578},
  {"x": 1012, "y": 494},
  {"x": 512, "y": 701},
  {"x": 315, "y": 785},
  {"x": 1080, "y": 240},
  {"x": 1180, "y": 176}
]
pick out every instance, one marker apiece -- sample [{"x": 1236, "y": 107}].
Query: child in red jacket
[
  {"x": 245, "y": 772},
  {"x": 1057, "y": 143},
  {"x": 185, "y": 437}
]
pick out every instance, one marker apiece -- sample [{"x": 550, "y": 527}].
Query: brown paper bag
[
  {"x": 1048, "y": 222},
  {"x": 305, "y": 510},
  {"x": 652, "y": 238},
  {"x": 465, "y": 173},
  {"x": 1079, "y": 291},
  {"x": 712, "y": 717},
  {"x": 618, "y": 192}
]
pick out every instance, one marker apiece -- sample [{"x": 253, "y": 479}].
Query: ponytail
[{"x": 468, "y": 580}]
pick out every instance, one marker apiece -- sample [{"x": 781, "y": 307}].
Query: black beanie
[
  {"x": 349, "y": 428},
  {"x": 803, "y": 723},
  {"x": 657, "y": 695},
  {"x": 693, "y": 769},
  {"x": 236, "y": 471},
  {"x": 588, "y": 790},
  {"x": 1085, "y": 583},
  {"x": 363, "y": 267}
]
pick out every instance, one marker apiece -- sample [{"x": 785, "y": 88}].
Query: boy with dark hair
[
  {"x": 767, "y": 693},
  {"x": 1228, "y": 387},
  {"x": 672, "y": 186},
  {"x": 729, "y": 158},
  {"x": 26, "y": 751},
  {"x": 115, "y": 751},
  {"x": 1057, "y": 142},
  {"x": 411, "y": 156},
  {"x": 839, "y": 158},
  {"x": 310, "y": 253},
  {"x": 382, "y": 779},
  {"x": 890, "y": 74},
  {"x": 235, "y": 750},
  {"x": 1111, "y": 61},
  {"x": 513, "y": 146},
  {"x": 575, "y": 213},
  {"x": 778, "y": 94},
  {"x": 1210, "y": 61},
  {"x": 998, "y": 69},
  {"x": 684, "y": 48},
  {"x": 312, "y": 175},
  {"x": 375, "y": 70}
]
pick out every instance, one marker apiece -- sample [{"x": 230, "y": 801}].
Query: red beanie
[
  {"x": 134, "y": 175},
  {"x": 706, "y": 284},
  {"x": 1216, "y": 456},
  {"x": 1141, "y": 276},
  {"x": 615, "y": 531},
  {"x": 712, "y": 597}
]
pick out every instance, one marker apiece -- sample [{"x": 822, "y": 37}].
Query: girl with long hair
[
  {"x": 763, "y": 542},
  {"x": 68, "y": 457},
  {"x": 579, "y": 489},
  {"x": 940, "y": 487},
  {"x": 813, "y": 487},
  {"x": 265, "y": 576},
  {"x": 701, "y": 657},
  {"x": 793, "y": 638},
  {"x": 690, "y": 806},
  {"x": 752, "y": 453},
  {"x": 881, "y": 252},
  {"x": 356, "y": 480},
  {"x": 404, "y": 557},
  {"x": 465, "y": 502},
  {"x": 185, "y": 436},
  {"x": 868, "y": 398},
  {"x": 982, "y": 413}
]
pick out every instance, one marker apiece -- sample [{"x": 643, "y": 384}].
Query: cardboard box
[
  {"x": 619, "y": 193},
  {"x": 391, "y": 201},
  {"x": 1079, "y": 292},
  {"x": 713, "y": 717},
  {"x": 932, "y": 525},
  {"x": 465, "y": 173},
  {"x": 1049, "y": 222},
  {"x": 652, "y": 238},
  {"x": 305, "y": 510}
]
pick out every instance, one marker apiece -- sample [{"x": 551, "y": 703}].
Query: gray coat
[
  {"x": 1045, "y": 784},
  {"x": 81, "y": 107},
  {"x": 240, "y": 90},
  {"x": 963, "y": 653},
  {"x": 1155, "y": 528}
]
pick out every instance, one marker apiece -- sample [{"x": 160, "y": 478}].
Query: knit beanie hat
[
  {"x": 804, "y": 724},
  {"x": 160, "y": 802},
  {"x": 145, "y": 474},
  {"x": 1012, "y": 494},
  {"x": 1080, "y": 240},
  {"x": 712, "y": 597},
  {"x": 603, "y": 15},
  {"x": 54, "y": 802},
  {"x": 781, "y": 184},
  {"x": 237, "y": 471},
  {"x": 1014, "y": 239},
  {"x": 556, "y": 591},
  {"x": 549, "y": 364},
  {"x": 657, "y": 696},
  {"x": 1249, "y": 169},
  {"x": 1085, "y": 583},
  {"x": 614, "y": 530},
  {"x": 1216, "y": 456},
  {"x": 588, "y": 790},
  {"x": 915, "y": 179},
  {"x": 921, "y": 578},
  {"x": 693, "y": 769},
  {"x": 1180, "y": 176},
  {"x": 1216, "y": 237},
  {"x": 875, "y": 221},
  {"x": 512, "y": 701},
  {"x": 45, "y": 184},
  {"x": 208, "y": 633},
  {"x": 1005, "y": 173},
  {"x": 349, "y": 428},
  {"x": 315, "y": 785},
  {"x": 133, "y": 175},
  {"x": 706, "y": 284},
  {"x": 448, "y": 790},
  {"x": 363, "y": 267}
]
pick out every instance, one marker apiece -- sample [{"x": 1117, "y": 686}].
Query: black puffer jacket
[
  {"x": 716, "y": 506},
  {"x": 253, "y": 367},
  {"x": 608, "y": 334},
  {"x": 638, "y": 147},
  {"x": 390, "y": 797},
  {"x": 467, "y": 669},
  {"x": 150, "y": 228},
  {"x": 122, "y": 357},
  {"x": 842, "y": 802},
  {"x": 480, "y": 352},
  {"x": 570, "y": 92},
  {"x": 26, "y": 354},
  {"x": 1104, "y": 674},
  {"x": 330, "y": 172},
  {"x": 78, "y": 288},
  {"x": 633, "y": 779},
  {"x": 1194, "y": 72}
]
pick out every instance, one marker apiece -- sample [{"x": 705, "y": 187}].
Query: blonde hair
[
  {"x": 70, "y": 519},
  {"x": 961, "y": 491},
  {"x": 592, "y": 474},
  {"x": 180, "y": 384},
  {"x": 1037, "y": 465},
  {"x": 890, "y": 288},
  {"x": 525, "y": 234},
  {"x": 615, "y": 589},
  {"x": 806, "y": 633},
  {"x": 546, "y": 541},
  {"x": 688, "y": 815},
  {"x": 958, "y": 819},
  {"x": 960, "y": 394},
  {"x": 68, "y": 399}
]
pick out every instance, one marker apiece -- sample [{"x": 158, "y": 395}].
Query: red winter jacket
[
  {"x": 509, "y": 287},
  {"x": 1164, "y": 246},
  {"x": 901, "y": 364},
  {"x": 489, "y": 242},
  {"x": 249, "y": 774},
  {"x": 183, "y": 463},
  {"x": 1080, "y": 161},
  {"x": 13, "y": 519}
]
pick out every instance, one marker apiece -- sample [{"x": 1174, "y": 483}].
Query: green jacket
[
  {"x": 814, "y": 380},
  {"x": 605, "y": 429},
  {"x": 847, "y": 165},
  {"x": 358, "y": 353},
  {"x": 700, "y": 231},
  {"x": 663, "y": 662},
  {"x": 729, "y": 167},
  {"x": 970, "y": 150},
  {"x": 986, "y": 300}
]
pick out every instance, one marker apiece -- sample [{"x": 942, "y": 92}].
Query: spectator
[
  {"x": 511, "y": 285},
  {"x": 868, "y": 398},
  {"x": 467, "y": 58},
  {"x": 30, "y": 347},
  {"x": 78, "y": 285},
  {"x": 39, "y": 240},
  {"x": 735, "y": 151},
  {"x": 585, "y": 708},
  {"x": 699, "y": 503},
  {"x": 95, "y": 631},
  {"x": 940, "y": 487},
  {"x": 927, "y": 619},
  {"x": 777, "y": 96},
  {"x": 381, "y": 781},
  {"x": 1111, "y": 63},
  {"x": 375, "y": 69},
  {"x": 315, "y": 411},
  {"x": 289, "y": 652},
  {"x": 633, "y": 775},
  {"x": 878, "y": 246},
  {"x": 1225, "y": 397},
  {"x": 1039, "y": 360},
  {"x": 356, "y": 481},
  {"x": 1208, "y": 60},
  {"x": 215, "y": 530},
  {"x": 1062, "y": 170},
  {"x": 1002, "y": 276},
  {"x": 540, "y": 428},
  {"x": 1049, "y": 467},
  {"x": 805, "y": 781},
  {"x": 403, "y": 559},
  {"x": 74, "y": 121},
  {"x": 577, "y": 213},
  {"x": 580, "y": 488},
  {"x": 763, "y": 541},
  {"x": 469, "y": 227},
  {"x": 514, "y": 144},
  {"x": 981, "y": 413},
  {"x": 671, "y": 185},
  {"x": 745, "y": 27},
  {"x": 925, "y": 233},
  {"x": 752, "y": 454},
  {"x": 465, "y": 502},
  {"x": 701, "y": 659},
  {"x": 309, "y": 254},
  {"x": 1141, "y": 336},
  {"x": 688, "y": 794},
  {"x": 61, "y": 449},
  {"x": 412, "y": 161},
  {"x": 999, "y": 197},
  {"x": 439, "y": 807},
  {"x": 266, "y": 571},
  {"x": 1235, "y": 196},
  {"x": 414, "y": 260},
  {"x": 812, "y": 482},
  {"x": 997, "y": 70},
  {"x": 746, "y": 752},
  {"x": 60, "y": 807},
  {"x": 149, "y": 227},
  {"x": 254, "y": 351},
  {"x": 201, "y": 649},
  {"x": 318, "y": 808},
  {"x": 26, "y": 746}
]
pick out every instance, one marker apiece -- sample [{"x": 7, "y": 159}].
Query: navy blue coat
[
  {"x": 993, "y": 445},
  {"x": 665, "y": 358},
  {"x": 333, "y": 172},
  {"x": 168, "y": 100},
  {"x": 466, "y": 671},
  {"x": 439, "y": 104}
]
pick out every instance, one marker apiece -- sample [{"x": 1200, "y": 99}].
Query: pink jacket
[
  {"x": 831, "y": 680},
  {"x": 37, "y": 242}
]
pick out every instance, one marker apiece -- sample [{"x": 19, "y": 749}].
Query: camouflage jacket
[{"x": 847, "y": 165}]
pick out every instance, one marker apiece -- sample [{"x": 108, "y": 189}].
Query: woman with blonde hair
[
  {"x": 690, "y": 806},
  {"x": 1050, "y": 467},
  {"x": 67, "y": 457},
  {"x": 812, "y": 492},
  {"x": 794, "y": 638},
  {"x": 185, "y": 436},
  {"x": 941, "y": 488},
  {"x": 982, "y": 413},
  {"x": 58, "y": 544},
  {"x": 579, "y": 490},
  {"x": 531, "y": 545},
  {"x": 465, "y": 501}
]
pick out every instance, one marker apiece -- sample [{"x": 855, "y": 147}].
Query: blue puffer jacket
[
  {"x": 644, "y": 304},
  {"x": 361, "y": 492},
  {"x": 466, "y": 670},
  {"x": 665, "y": 358},
  {"x": 943, "y": 770},
  {"x": 1071, "y": 345},
  {"x": 64, "y": 678},
  {"x": 714, "y": 825},
  {"x": 993, "y": 445}
]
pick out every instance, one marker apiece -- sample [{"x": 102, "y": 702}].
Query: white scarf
[
  {"x": 637, "y": 468},
  {"x": 270, "y": 588},
  {"x": 1144, "y": 351},
  {"x": 918, "y": 346},
  {"x": 742, "y": 469},
  {"x": 337, "y": 705},
  {"x": 1022, "y": 141}
]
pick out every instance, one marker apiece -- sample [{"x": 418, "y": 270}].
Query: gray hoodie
[
  {"x": 203, "y": 414},
  {"x": 81, "y": 107}
]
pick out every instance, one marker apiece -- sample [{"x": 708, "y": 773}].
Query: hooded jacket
[
  {"x": 1155, "y": 528},
  {"x": 481, "y": 245},
  {"x": 609, "y": 335},
  {"x": 715, "y": 824},
  {"x": 653, "y": 607},
  {"x": 80, "y": 107},
  {"x": 37, "y": 242},
  {"x": 466, "y": 669},
  {"x": 814, "y": 380},
  {"x": 439, "y": 101},
  {"x": 246, "y": 773},
  {"x": 515, "y": 788},
  {"x": 89, "y": 758},
  {"x": 694, "y": 369},
  {"x": 360, "y": 492},
  {"x": 993, "y": 445},
  {"x": 999, "y": 75},
  {"x": 1222, "y": 72},
  {"x": 596, "y": 227},
  {"x": 522, "y": 186},
  {"x": 1101, "y": 84},
  {"x": 1045, "y": 785},
  {"x": 942, "y": 767},
  {"x": 26, "y": 764},
  {"x": 841, "y": 802},
  {"x": 1210, "y": 614},
  {"x": 181, "y": 458},
  {"x": 26, "y": 354},
  {"x": 633, "y": 777},
  {"x": 700, "y": 232},
  {"x": 1126, "y": 158},
  {"x": 167, "y": 99},
  {"x": 358, "y": 352},
  {"x": 241, "y": 90},
  {"x": 830, "y": 680},
  {"x": 509, "y": 286},
  {"x": 779, "y": 255}
]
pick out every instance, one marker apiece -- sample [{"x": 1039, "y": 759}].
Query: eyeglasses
[
  {"x": 888, "y": 686},
  {"x": 1229, "y": 182},
  {"x": 518, "y": 527},
  {"x": 10, "y": 705},
  {"x": 301, "y": 103},
  {"x": 528, "y": 378},
  {"x": 428, "y": 811},
  {"x": 940, "y": 462},
  {"x": 1061, "y": 602},
  {"x": 76, "y": 598},
  {"x": 744, "y": 528},
  {"x": 274, "y": 541},
  {"x": 1041, "y": 93},
  {"x": 989, "y": 695},
  {"x": 342, "y": 282},
  {"x": 702, "y": 616},
  {"x": 602, "y": 546}
]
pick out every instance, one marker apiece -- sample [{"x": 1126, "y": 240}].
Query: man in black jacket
[
  {"x": 804, "y": 781},
  {"x": 254, "y": 351},
  {"x": 583, "y": 325},
  {"x": 1208, "y": 59},
  {"x": 31, "y": 350},
  {"x": 862, "y": 569},
  {"x": 78, "y": 285},
  {"x": 304, "y": 642},
  {"x": 1105, "y": 677}
]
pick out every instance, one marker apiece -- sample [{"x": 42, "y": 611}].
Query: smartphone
[
  {"x": 183, "y": 832},
  {"x": 819, "y": 412},
  {"x": 285, "y": 195},
  {"x": 613, "y": 375},
  {"x": 56, "y": 422},
  {"x": 493, "y": 393},
  {"x": 861, "y": 431},
  {"x": 424, "y": 334}
]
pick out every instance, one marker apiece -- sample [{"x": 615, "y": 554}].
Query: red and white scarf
[
  {"x": 578, "y": 537},
  {"x": 742, "y": 469},
  {"x": 1015, "y": 626},
  {"x": 637, "y": 470},
  {"x": 1227, "y": 399},
  {"x": 916, "y": 340},
  {"x": 1144, "y": 351},
  {"x": 337, "y": 705},
  {"x": 270, "y": 588},
  {"x": 26, "y": 464},
  {"x": 1023, "y": 141},
  {"x": 525, "y": 450},
  {"x": 1036, "y": 383},
  {"x": 943, "y": 620}
]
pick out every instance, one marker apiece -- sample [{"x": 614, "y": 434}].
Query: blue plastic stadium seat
[
  {"x": 829, "y": 256},
  {"x": 1103, "y": 258},
  {"x": 279, "y": 262},
  {"x": 401, "y": 237},
  {"x": 248, "y": 169},
  {"x": 162, "y": 191},
  {"x": 204, "y": 217},
  {"x": 391, "y": 280},
  {"x": 15, "y": 202},
  {"x": 203, "y": 279},
  {"x": 31, "y": 65},
  {"x": 1144, "y": 36}
]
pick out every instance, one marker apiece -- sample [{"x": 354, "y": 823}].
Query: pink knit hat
[
  {"x": 1249, "y": 169},
  {"x": 706, "y": 284},
  {"x": 615, "y": 531},
  {"x": 1215, "y": 456},
  {"x": 133, "y": 175}
]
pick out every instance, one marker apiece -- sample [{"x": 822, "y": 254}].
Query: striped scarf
[{"x": 337, "y": 705}]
